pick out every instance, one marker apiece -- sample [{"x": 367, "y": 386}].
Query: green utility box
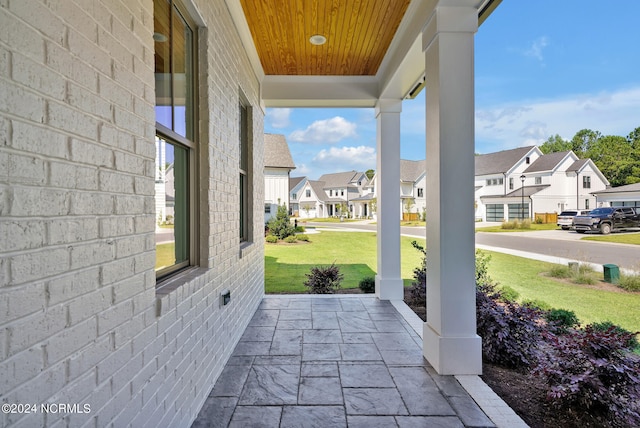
[{"x": 611, "y": 273}]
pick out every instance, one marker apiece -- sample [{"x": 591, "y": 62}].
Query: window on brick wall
[
  {"x": 244, "y": 137},
  {"x": 175, "y": 138}
]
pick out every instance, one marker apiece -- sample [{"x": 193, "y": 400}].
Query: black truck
[{"x": 608, "y": 219}]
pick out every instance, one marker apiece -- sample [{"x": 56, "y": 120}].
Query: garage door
[
  {"x": 518, "y": 211},
  {"x": 495, "y": 212}
]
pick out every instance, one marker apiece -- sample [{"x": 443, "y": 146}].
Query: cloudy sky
[{"x": 575, "y": 66}]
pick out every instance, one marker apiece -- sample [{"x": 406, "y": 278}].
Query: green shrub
[
  {"x": 540, "y": 305},
  {"x": 607, "y": 326},
  {"x": 525, "y": 224},
  {"x": 299, "y": 229},
  {"x": 561, "y": 319},
  {"x": 290, "y": 239},
  {"x": 560, "y": 271},
  {"x": 304, "y": 238},
  {"x": 280, "y": 225},
  {"x": 583, "y": 278},
  {"x": 367, "y": 284},
  {"x": 630, "y": 282},
  {"x": 324, "y": 279},
  {"x": 508, "y": 294},
  {"x": 271, "y": 239},
  {"x": 512, "y": 224}
]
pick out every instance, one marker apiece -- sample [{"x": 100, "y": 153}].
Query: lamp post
[{"x": 522, "y": 178}]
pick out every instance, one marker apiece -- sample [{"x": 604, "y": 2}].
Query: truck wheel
[
  {"x": 605, "y": 228},
  {"x": 580, "y": 231}
]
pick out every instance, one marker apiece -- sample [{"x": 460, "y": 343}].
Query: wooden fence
[{"x": 546, "y": 217}]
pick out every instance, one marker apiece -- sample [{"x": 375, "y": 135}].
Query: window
[
  {"x": 330, "y": 192},
  {"x": 420, "y": 192},
  {"x": 245, "y": 172},
  {"x": 586, "y": 204},
  {"x": 586, "y": 182},
  {"x": 510, "y": 183},
  {"x": 538, "y": 180},
  {"x": 341, "y": 192},
  {"x": 175, "y": 138},
  {"x": 308, "y": 193},
  {"x": 267, "y": 208},
  {"x": 294, "y": 196},
  {"x": 527, "y": 160}
]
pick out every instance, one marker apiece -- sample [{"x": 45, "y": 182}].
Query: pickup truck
[{"x": 607, "y": 220}]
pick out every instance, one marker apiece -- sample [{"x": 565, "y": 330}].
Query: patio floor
[{"x": 315, "y": 361}]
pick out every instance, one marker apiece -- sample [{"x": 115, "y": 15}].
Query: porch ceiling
[{"x": 373, "y": 48}]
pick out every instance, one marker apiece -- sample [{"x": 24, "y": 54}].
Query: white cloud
[
  {"x": 536, "y": 48},
  {"x": 508, "y": 126},
  {"x": 278, "y": 117},
  {"x": 328, "y": 131},
  {"x": 346, "y": 158}
]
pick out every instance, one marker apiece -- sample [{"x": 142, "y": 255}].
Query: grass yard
[
  {"x": 165, "y": 255},
  {"x": 534, "y": 227},
  {"x": 355, "y": 253},
  {"x": 589, "y": 304},
  {"x": 620, "y": 238}
]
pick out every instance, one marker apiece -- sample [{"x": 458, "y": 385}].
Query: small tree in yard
[
  {"x": 280, "y": 225},
  {"x": 324, "y": 279}
]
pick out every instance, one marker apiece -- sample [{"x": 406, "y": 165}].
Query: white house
[
  {"x": 517, "y": 183},
  {"x": 331, "y": 195},
  {"x": 278, "y": 164},
  {"x": 413, "y": 177},
  {"x": 86, "y": 88},
  {"x": 295, "y": 191}
]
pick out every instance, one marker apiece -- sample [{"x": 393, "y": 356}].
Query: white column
[
  {"x": 451, "y": 344},
  {"x": 389, "y": 284}
]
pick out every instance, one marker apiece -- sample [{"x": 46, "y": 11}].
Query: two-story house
[
  {"x": 295, "y": 191},
  {"x": 517, "y": 183},
  {"x": 278, "y": 164},
  {"x": 331, "y": 195}
]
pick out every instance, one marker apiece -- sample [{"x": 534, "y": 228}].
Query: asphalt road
[{"x": 555, "y": 243}]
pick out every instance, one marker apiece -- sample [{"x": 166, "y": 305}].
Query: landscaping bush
[
  {"x": 561, "y": 319},
  {"x": 539, "y": 305},
  {"x": 291, "y": 239},
  {"x": 560, "y": 271},
  {"x": 629, "y": 282},
  {"x": 516, "y": 224},
  {"x": 299, "y": 229},
  {"x": 508, "y": 294},
  {"x": 367, "y": 284},
  {"x": 280, "y": 225},
  {"x": 304, "y": 238},
  {"x": 271, "y": 239},
  {"x": 604, "y": 326},
  {"x": 510, "y": 332},
  {"x": 592, "y": 369},
  {"x": 418, "y": 289},
  {"x": 324, "y": 279}
]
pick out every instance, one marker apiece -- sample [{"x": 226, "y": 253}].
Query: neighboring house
[
  {"x": 278, "y": 164},
  {"x": 87, "y": 96},
  {"x": 332, "y": 195},
  {"x": 518, "y": 183},
  {"x": 412, "y": 188},
  {"x": 621, "y": 196},
  {"x": 295, "y": 191}
]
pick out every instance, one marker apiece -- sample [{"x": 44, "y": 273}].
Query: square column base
[
  {"x": 452, "y": 355},
  {"x": 389, "y": 288}
]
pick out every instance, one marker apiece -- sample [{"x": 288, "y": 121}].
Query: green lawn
[
  {"x": 165, "y": 255},
  {"x": 354, "y": 252},
  {"x": 620, "y": 238},
  {"x": 589, "y": 304},
  {"x": 534, "y": 227}
]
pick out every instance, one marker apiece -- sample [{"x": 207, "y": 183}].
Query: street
[{"x": 549, "y": 244}]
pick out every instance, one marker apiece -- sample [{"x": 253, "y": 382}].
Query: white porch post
[
  {"x": 451, "y": 344},
  {"x": 389, "y": 284}
]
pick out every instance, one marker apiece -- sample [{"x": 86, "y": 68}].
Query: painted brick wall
[{"x": 80, "y": 318}]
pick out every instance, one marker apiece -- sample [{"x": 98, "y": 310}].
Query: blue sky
[{"x": 543, "y": 67}]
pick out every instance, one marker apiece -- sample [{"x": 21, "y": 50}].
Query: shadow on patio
[{"x": 329, "y": 361}]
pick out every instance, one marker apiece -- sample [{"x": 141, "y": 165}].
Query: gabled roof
[
  {"x": 577, "y": 165},
  {"x": 339, "y": 179},
  {"x": 520, "y": 192},
  {"x": 294, "y": 181},
  {"x": 276, "y": 152},
  {"x": 500, "y": 162},
  {"x": 548, "y": 162},
  {"x": 411, "y": 170},
  {"x": 318, "y": 189}
]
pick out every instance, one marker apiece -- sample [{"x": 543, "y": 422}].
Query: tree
[
  {"x": 369, "y": 173},
  {"x": 555, "y": 144},
  {"x": 582, "y": 142},
  {"x": 280, "y": 225},
  {"x": 614, "y": 157},
  {"x": 408, "y": 204}
]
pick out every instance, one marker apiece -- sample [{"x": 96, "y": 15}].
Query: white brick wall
[{"x": 80, "y": 319}]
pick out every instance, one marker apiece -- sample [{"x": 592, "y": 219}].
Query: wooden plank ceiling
[{"x": 358, "y": 34}]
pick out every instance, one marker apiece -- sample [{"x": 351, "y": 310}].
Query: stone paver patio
[{"x": 334, "y": 362}]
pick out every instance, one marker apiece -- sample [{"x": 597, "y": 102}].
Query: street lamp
[{"x": 522, "y": 177}]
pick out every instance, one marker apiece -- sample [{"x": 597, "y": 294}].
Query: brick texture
[{"x": 80, "y": 318}]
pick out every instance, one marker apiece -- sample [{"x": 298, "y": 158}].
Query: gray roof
[
  {"x": 547, "y": 162},
  {"x": 635, "y": 187},
  {"x": 500, "y": 162},
  {"x": 294, "y": 181},
  {"x": 411, "y": 170},
  {"x": 339, "y": 179},
  {"x": 318, "y": 189},
  {"x": 577, "y": 165},
  {"x": 276, "y": 152},
  {"x": 528, "y": 191}
]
